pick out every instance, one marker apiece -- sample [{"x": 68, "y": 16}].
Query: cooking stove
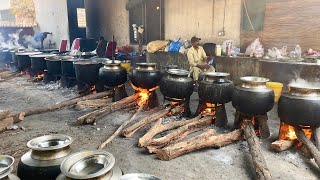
[{"x": 182, "y": 102}]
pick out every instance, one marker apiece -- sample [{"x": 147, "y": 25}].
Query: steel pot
[
  {"x": 24, "y": 60},
  {"x": 90, "y": 165},
  {"x": 5, "y": 57},
  {"x": 38, "y": 62},
  {"x": 87, "y": 71},
  {"x": 45, "y": 157},
  {"x": 145, "y": 76},
  {"x": 176, "y": 84},
  {"x": 253, "y": 97},
  {"x": 54, "y": 65},
  {"x": 6, "y": 167},
  {"x": 139, "y": 176},
  {"x": 67, "y": 67},
  {"x": 52, "y": 51},
  {"x": 112, "y": 74},
  {"x": 215, "y": 88},
  {"x": 300, "y": 106}
]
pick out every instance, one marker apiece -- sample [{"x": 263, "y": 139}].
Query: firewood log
[
  {"x": 120, "y": 129},
  {"x": 5, "y": 123},
  {"x": 263, "y": 126},
  {"x": 96, "y": 103},
  {"x": 159, "y": 127},
  {"x": 204, "y": 140},
  {"x": 4, "y": 114},
  {"x": 260, "y": 165},
  {"x": 316, "y": 135},
  {"x": 129, "y": 131},
  {"x": 20, "y": 116},
  {"x": 182, "y": 132},
  {"x": 282, "y": 145},
  {"x": 312, "y": 148}
]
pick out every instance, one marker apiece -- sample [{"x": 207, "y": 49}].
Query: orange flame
[
  {"x": 40, "y": 76},
  {"x": 210, "y": 109},
  {"x": 144, "y": 94},
  {"x": 287, "y": 132}
]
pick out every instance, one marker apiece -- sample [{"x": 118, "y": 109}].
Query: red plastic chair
[{"x": 63, "y": 46}]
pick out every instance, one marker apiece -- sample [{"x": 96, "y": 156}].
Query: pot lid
[
  {"x": 253, "y": 79},
  {"x": 304, "y": 89},
  {"x": 217, "y": 74},
  {"x": 44, "y": 55},
  {"x": 85, "y": 62},
  {"x": 179, "y": 72},
  {"x": 100, "y": 60},
  {"x": 28, "y": 53},
  {"x": 87, "y": 164},
  {"x": 139, "y": 176},
  {"x": 50, "y": 142},
  {"x": 6, "y": 163}
]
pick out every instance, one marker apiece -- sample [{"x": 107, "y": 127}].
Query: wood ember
[
  {"x": 282, "y": 145},
  {"x": 182, "y": 132},
  {"x": 260, "y": 165},
  {"x": 129, "y": 131},
  {"x": 20, "y": 116},
  {"x": 205, "y": 140},
  {"x": 312, "y": 148},
  {"x": 160, "y": 127}
]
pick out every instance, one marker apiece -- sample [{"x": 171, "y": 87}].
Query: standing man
[
  {"x": 198, "y": 59},
  {"x": 101, "y": 48},
  {"x": 39, "y": 38}
]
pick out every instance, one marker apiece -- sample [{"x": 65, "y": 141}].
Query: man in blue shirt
[{"x": 39, "y": 38}]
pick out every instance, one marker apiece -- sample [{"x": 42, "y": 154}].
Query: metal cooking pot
[
  {"x": 87, "y": 70},
  {"x": 253, "y": 97},
  {"x": 300, "y": 106},
  {"x": 145, "y": 76},
  {"x": 6, "y": 167},
  {"x": 45, "y": 157},
  {"x": 112, "y": 74},
  {"x": 215, "y": 88},
  {"x": 24, "y": 60},
  {"x": 67, "y": 68},
  {"x": 54, "y": 65},
  {"x": 38, "y": 63},
  {"x": 5, "y": 57},
  {"x": 176, "y": 84},
  {"x": 139, "y": 176},
  {"x": 90, "y": 165}
]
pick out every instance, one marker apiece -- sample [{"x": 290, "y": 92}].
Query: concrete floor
[{"x": 231, "y": 162}]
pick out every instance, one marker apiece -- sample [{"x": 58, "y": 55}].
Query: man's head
[
  {"x": 101, "y": 38},
  {"x": 195, "y": 41}
]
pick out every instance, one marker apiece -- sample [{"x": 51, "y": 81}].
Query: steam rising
[
  {"x": 305, "y": 84},
  {"x": 13, "y": 41},
  {"x": 31, "y": 42}
]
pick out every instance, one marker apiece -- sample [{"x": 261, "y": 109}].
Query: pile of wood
[{"x": 7, "y": 75}]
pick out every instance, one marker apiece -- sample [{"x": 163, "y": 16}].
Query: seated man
[{"x": 198, "y": 59}]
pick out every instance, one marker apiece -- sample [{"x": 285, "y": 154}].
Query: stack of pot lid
[
  {"x": 6, "y": 167},
  {"x": 90, "y": 165}
]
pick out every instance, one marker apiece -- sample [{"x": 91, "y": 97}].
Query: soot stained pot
[
  {"x": 253, "y": 97},
  {"x": 24, "y": 60},
  {"x": 90, "y": 165},
  {"x": 6, "y": 167},
  {"x": 14, "y": 56},
  {"x": 67, "y": 67},
  {"x": 176, "y": 84},
  {"x": 45, "y": 157},
  {"x": 139, "y": 176},
  {"x": 145, "y": 76},
  {"x": 38, "y": 62},
  {"x": 112, "y": 74},
  {"x": 87, "y": 70},
  {"x": 300, "y": 106},
  {"x": 54, "y": 65},
  {"x": 5, "y": 56},
  {"x": 215, "y": 88}
]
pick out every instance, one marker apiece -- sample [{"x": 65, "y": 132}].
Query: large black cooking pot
[
  {"x": 54, "y": 65},
  {"x": 38, "y": 62},
  {"x": 145, "y": 76},
  {"x": 215, "y": 88},
  {"x": 87, "y": 70},
  {"x": 14, "y": 56},
  {"x": 300, "y": 106},
  {"x": 253, "y": 97},
  {"x": 67, "y": 68},
  {"x": 112, "y": 74},
  {"x": 24, "y": 60},
  {"x": 5, "y": 56},
  {"x": 44, "y": 159},
  {"x": 176, "y": 84}
]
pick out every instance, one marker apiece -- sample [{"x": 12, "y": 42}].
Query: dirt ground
[{"x": 231, "y": 162}]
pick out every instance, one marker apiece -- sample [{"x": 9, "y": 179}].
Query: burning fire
[
  {"x": 40, "y": 76},
  {"x": 287, "y": 132},
  {"x": 210, "y": 109},
  {"x": 144, "y": 94}
]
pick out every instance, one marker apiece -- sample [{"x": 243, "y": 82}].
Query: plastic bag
[
  {"x": 174, "y": 46},
  {"x": 253, "y": 46}
]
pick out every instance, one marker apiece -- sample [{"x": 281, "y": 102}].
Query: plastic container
[
  {"x": 126, "y": 65},
  {"x": 277, "y": 88},
  {"x": 218, "y": 50}
]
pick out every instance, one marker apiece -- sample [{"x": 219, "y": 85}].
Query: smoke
[
  {"x": 32, "y": 44},
  {"x": 305, "y": 84},
  {"x": 13, "y": 41}
]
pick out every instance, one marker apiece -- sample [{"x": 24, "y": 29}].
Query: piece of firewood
[
  {"x": 159, "y": 127},
  {"x": 312, "y": 148},
  {"x": 182, "y": 132},
  {"x": 304, "y": 151},
  {"x": 91, "y": 117},
  {"x": 260, "y": 165},
  {"x": 129, "y": 131},
  {"x": 282, "y": 145},
  {"x": 4, "y": 114},
  {"x": 316, "y": 135},
  {"x": 263, "y": 126},
  {"x": 6, "y": 123},
  {"x": 19, "y": 117},
  {"x": 205, "y": 140},
  {"x": 96, "y": 103},
  {"x": 121, "y": 128}
]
